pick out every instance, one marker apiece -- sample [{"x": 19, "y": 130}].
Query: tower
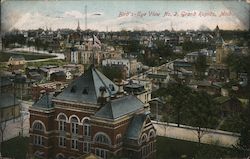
[
  {"x": 219, "y": 42},
  {"x": 78, "y": 26}
]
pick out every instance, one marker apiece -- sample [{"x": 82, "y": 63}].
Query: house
[
  {"x": 130, "y": 64},
  {"x": 46, "y": 87},
  {"x": 16, "y": 62},
  {"x": 58, "y": 76},
  {"x": 88, "y": 117},
  {"x": 138, "y": 90},
  {"x": 229, "y": 105}
]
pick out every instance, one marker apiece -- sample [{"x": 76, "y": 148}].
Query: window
[
  {"x": 86, "y": 127},
  {"x": 143, "y": 138},
  {"x": 102, "y": 139},
  {"x": 74, "y": 144},
  {"x": 85, "y": 90},
  {"x": 86, "y": 147},
  {"x": 38, "y": 126},
  {"x": 151, "y": 134},
  {"x": 118, "y": 139},
  {"x": 62, "y": 123},
  {"x": 60, "y": 156},
  {"x": 73, "y": 89},
  {"x": 101, "y": 153},
  {"x": 38, "y": 140},
  {"x": 74, "y": 125},
  {"x": 62, "y": 141},
  {"x": 86, "y": 130}
]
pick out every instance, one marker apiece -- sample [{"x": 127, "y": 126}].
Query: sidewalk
[{"x": 217, "y": 137}]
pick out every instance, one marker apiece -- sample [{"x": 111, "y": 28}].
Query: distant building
[
  {"x": 139, "y": 91},
  {"x": 229, "y": 106},
  {"x": 130, "y": 64},
  {"x": 16, "y": 62},
  {"x": 46, "y": 87},
  {"x": 221, "y": 49},
  {"x": 88, "y": 117}
]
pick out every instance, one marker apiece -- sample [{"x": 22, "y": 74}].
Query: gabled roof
[
  {"x": 45, "y": 101},
  {"x": 86, "y": 88},
  {"x": 136, "y": 126},
  {"x": 17, "y": 58},
  {"x": 120, "y": 107}
]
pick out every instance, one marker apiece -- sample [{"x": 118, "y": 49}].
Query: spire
[{"x": 78, "y": 26}]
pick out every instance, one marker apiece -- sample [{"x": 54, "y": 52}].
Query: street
[{"x": 188, "y": 133}]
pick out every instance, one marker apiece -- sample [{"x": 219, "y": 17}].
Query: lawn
[
  {"x": 173, "y": 148},
  {"x": 167, "y": 148},
  {"x": 4, "y": 57},
  {"x": 16, "y": 148}
]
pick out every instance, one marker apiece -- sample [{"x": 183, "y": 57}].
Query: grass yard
[
  {"x": 4, "y": 57},
  {"x": 167, "y": 148},
  {"x": 16, "y": 148},
  {"x": 173, "y": 148}
]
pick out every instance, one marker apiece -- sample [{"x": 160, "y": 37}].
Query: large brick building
[{"x": 91, "y": 116}]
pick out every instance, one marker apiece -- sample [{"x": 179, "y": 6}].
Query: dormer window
[
  {"x": 85, "y": 90},
  {"x": 73, "y": 89},
  {"x": 111, "y": 87}
]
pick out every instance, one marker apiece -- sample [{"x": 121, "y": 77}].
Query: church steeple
[
  {"x": 217, "y": 31},
  {"x": 78, "y": 26}
]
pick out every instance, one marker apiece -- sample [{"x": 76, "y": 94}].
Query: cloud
[
  {"x": 79, "y": 15},
  {"x": 73, "y": 14}
]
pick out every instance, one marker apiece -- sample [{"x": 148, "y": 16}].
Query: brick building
[{"x": 90, "y": 117}]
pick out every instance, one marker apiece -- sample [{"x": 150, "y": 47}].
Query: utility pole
[{"x": 86, "y": 20}]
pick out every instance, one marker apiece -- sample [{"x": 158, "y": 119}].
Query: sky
[{"x": 114, "y": 15}]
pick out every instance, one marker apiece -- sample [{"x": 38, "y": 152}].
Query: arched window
[
  {"x": 39, "y": 154},
  {"x": 143, "y": 138},
  {"x": 86, "y": 127},
  {"x": 60, "y": 156},
  {"x": 62, "y": 122},
  {"x": 151, "y": 134},
  {"x": 74, "y": 125},
  {"x": 38, "y": 126},
  {"x": 102, "y": 138},
  {"x": 118, "y": 139}
]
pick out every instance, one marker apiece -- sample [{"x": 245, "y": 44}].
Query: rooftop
[
  {"x": 88, "y": 88},
  {"x": 120, "y": 107},
  {"x": 45, "y": 101},
  {"x": 135, "y": 127}
]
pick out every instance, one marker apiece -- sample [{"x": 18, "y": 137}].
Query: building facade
[{"x": 87, "y": 117}]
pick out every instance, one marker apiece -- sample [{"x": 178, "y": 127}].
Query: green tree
[
  {"x": 113, "y": 72},
  {"x": 202, "y": 113},
  {"x": 244, "y": 140},
  {"x": 180, "y": 95},
  {"x": 200, "y": 66}
]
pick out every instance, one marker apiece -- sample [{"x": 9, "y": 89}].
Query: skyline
[{"x": 125, "y": 15}]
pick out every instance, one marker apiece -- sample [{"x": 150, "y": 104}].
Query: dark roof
[
  {"x": 8, "y": 100},
  {"x": 86, "y": 88},
  {"x": 120, "y": 107},
  {"x": 59, "y": 73},
  {"x": 45, "y": 101},
  {"x": 135, "y": 127}
]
